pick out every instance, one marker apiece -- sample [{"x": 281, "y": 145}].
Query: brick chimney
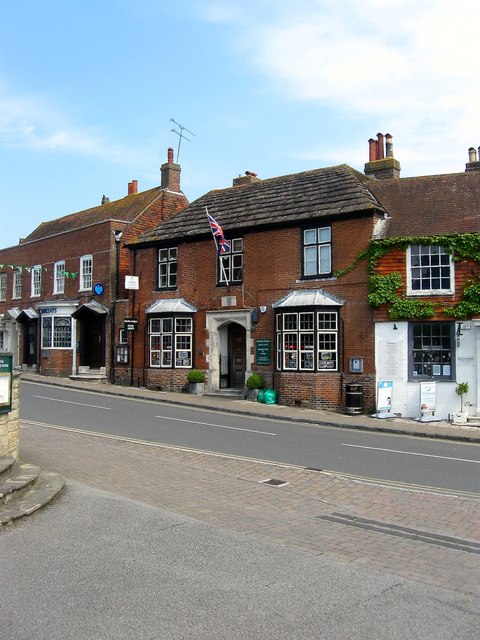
[
  {"x": 248, "y": 178},
  {"x": 473, "y": 163},
  {"x": 132, "y": 187},
  {"x": 170, "y": 174},
  {"x": 381, "y": 163}
]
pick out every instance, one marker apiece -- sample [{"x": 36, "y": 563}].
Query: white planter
[{"x": 460, "y": 417}]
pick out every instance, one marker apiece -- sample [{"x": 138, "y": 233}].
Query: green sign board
[
  {"x": 262, "y": 350},
  {"x": 5, "y": 383}
]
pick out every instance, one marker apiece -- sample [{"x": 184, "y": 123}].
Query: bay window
[
  {"x": 307, "y": 341},
  {"x": 171, "y": 342}
]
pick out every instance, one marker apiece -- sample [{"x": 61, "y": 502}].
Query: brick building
[
  {"x": 62, "y": 293},
  {"x": 426, "y": 291},
  {"x": 272, "y": 303}
]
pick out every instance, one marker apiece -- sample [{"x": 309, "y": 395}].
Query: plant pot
[
  {"x": 252, "y": 394},
  {"x": 197, "y": 388},
  {"x": 460, "y": 417}
]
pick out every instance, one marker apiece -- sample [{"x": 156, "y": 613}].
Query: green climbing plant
[{"x": 383, "y": 289}]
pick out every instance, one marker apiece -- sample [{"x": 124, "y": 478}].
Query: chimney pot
[
  {"x": 170, "y": 155},
  {"x": 372, "y": 150},
  {"x": 388, "y": 145},
  {"x": 472, "y": 154},
  {"x": 380, "y": 150}
]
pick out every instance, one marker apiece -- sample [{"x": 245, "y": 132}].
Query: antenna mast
[{"x": 180, "y": 134}]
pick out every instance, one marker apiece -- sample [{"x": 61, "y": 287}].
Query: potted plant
[
  {"x": 196, "y": 381},
  {"x": 254, "y": 383},
  {"x": 460, "y": 417}
]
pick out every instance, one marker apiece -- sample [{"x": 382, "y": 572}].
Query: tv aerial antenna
[{"x": 180, "y": 134}]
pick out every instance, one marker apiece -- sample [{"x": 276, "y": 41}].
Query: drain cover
[{"x": 274, "y": 482}]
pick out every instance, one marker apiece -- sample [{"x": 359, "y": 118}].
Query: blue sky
[{"x": 88, "y": 89}]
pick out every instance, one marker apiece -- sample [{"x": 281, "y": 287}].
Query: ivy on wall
[{"x": 383, "y": 289}]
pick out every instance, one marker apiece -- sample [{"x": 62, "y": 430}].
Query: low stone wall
[{"x": 10, "y": 423}]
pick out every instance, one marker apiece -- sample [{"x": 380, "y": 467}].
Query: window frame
[
  {"x": 445, "y": 329},
  {"x": 321, "y": 246},
  {"x": 122, "y": 354},
  {"x": 303, "y": 338},
  {"x": 171, "y": 268},
  {"x": 171, "y": 335},
  {"x": 86, "y": 275},
  {"x": 230, "y": 263},
  {"x": 17, "y": 285},
  {"x": 53, "y": 333},
  {"x": 36, "y": 281},
  {"x": 410, "y": 267},
  {"x": 59, "y": 277},
  {"x": 3, "y": 287}
]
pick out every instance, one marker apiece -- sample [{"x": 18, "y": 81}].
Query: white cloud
[
  {"x": 29, "y": 123},
  {"x": 409, "y": 64}
]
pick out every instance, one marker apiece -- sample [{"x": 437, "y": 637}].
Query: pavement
[{"x": 426, "y": 535}]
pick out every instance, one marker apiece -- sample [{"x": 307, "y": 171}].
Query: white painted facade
[{"x": 391, "y": 358}]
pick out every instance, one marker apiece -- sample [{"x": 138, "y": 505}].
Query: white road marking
[
  {"x": 410, "y": 453},
  {"x": 82, "y": 404},
  {"x": 219, "y": 426}
]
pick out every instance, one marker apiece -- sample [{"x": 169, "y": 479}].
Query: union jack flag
[{"x": 223, "y": 245}]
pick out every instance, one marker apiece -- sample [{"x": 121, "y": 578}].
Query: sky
[{"x": 88, "y": 90}]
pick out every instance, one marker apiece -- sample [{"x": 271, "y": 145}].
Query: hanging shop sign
[{"x": 129, "y": 324}]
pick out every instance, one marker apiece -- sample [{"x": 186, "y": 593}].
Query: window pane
[
  {"x": 324, "y": 234},
  {"x": 310, "y": 236},
  {"x": 310, "y": 261},
  {"x": 324, "y": 259}
]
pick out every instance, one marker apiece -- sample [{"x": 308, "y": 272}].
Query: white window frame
[
  {"x": 170, "y": 342},
  {"x": 59, "y": 277},
  {"x": 36, "y": 281},
  {"x": 86, "y": 273},
  {"x": 17, "y": 285},
  {"x": 3, "y": 287},
  {"x": 307, "y": 341},
  {"x": 427, "y": 256},
  {"x": 317, "y": 252},
  {"x": 52, "y": 335}
]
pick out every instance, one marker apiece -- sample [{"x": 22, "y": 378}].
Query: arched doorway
[
  {"x": 229, "y": 348},
  {"x": 236, "y": 355}
]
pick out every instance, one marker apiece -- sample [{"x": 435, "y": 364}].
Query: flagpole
[{"x": 219, "y": 255}]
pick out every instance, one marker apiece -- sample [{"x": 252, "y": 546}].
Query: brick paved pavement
[{"x": 229, "y": 492}]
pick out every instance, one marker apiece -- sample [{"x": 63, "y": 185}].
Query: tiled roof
[
  {"x": 125, "y": 210},
  {"x": 328, "y": 192},
  {"x": 430, "y": 205}
]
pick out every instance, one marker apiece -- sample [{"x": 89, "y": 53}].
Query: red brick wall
[{"x": 272, "y": 269}]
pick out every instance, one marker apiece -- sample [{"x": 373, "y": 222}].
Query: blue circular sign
[{"x": 98, "y": 289}]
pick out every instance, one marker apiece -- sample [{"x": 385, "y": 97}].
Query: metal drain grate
[{"x": 274, "y": 482}]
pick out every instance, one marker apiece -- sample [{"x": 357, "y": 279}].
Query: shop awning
[
  {"x": 173, "y": 305},
  {"x": 313, "y": 298}
]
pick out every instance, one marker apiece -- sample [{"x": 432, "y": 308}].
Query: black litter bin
[{"x": 353, "y": 398}]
